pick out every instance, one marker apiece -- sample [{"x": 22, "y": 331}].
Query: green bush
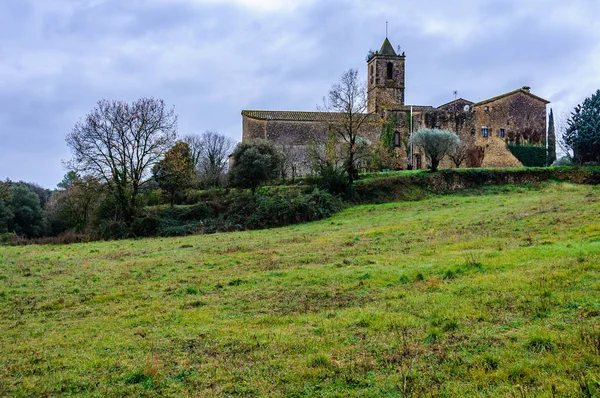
[
  {"x": 291, "y": 208},
  {"x": 168, "y": 229},
  {"x": 529, "y": 155},
  {"x": 8, "y": 238},
  {"x": 145, "y": 226},
  {"x": 332, "y": 179},
  {"x": 111, "y": 230}
]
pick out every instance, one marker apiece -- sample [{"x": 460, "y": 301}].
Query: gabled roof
[
  {"x": 523, "y": 90},
  {"x": 456, "y": 100},
  {"x": 387, "y": 49},
  {"x": 298, "y": 116}
]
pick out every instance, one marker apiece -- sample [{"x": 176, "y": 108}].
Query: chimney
[{"x": 526, "y": 88}]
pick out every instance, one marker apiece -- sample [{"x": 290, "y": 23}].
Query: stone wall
[
  {"x": 253, "y": 128},
  {"x": 383, "y": 91},
  {"x": 294, "y": 136}
]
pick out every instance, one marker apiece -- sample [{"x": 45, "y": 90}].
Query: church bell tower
[{"x": 385, "y": 71}]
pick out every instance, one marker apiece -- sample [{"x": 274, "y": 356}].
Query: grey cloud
[{"x": 211, "y": 59}]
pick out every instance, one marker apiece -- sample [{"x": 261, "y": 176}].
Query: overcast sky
[{"x": 212, "y": 58}]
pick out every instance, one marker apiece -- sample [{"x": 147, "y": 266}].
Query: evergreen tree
[
  {"x": 583, "y": 131},
  {"x": 28, "y": 218},
  {"x": 551, "y": 140},
  {"x": 254, "y": 162},
  {"x": 5, "y": 217}
]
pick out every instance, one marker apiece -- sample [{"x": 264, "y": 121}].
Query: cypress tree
[{"x": 551, "y": 140}]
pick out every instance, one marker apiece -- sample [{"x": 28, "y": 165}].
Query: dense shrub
[
  {"x": 529, "y": 155},
  {"x": 169, "y": 228},
  {"x": 8, "y": 238},
  {"x": 290, "y": 208},
  {"x": 111, "y": 230},
  {"x": 563, "y": 161},
  {"x": 331, "y": 178},
  {"x": 145, "y": 226}
]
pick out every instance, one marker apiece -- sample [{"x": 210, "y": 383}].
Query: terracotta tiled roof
[
  {"x": 297, "y": 116},
  {"x": 524, "y": 90}
]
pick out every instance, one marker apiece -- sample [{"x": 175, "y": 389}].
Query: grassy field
[{"x": 488, "y": 294}]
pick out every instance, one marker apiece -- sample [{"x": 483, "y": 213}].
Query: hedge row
[
  {"x": 529, "y": 155},
  {"x": 417, "y": 186},
  {"x": 227, "y": 211}
]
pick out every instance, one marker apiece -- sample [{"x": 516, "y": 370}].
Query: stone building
[{"x": 485, "y": 127}]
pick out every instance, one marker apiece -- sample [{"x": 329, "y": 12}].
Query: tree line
[{"x": 128, "y": 156}]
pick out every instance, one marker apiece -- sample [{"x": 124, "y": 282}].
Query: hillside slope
[{"x": 491, "y": 294}]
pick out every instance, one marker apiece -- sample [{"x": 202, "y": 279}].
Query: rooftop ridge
[
  {"x": 308, "y": 116},
  {"x": 456, "y": 100},
  {"x": 524, "y": 90}
]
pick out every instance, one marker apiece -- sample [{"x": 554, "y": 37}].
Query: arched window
[{"x": 390, "y": 70}]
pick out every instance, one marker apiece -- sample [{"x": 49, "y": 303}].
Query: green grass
[{"x": 495, "y": 294}]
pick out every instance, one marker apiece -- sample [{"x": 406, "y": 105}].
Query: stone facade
[
  {"x": 294, "y": 131},
  {"x": 516, "y": 117}
]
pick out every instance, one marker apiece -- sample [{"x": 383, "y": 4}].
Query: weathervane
[{"x": 386, "y": 29}]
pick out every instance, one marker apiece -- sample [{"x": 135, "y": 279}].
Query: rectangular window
[
  {"x": 473, "y": 132},
  {"x": 397, "y": 139},
  {"x": 486, "y": 109},
  {"x": 484, "y": 132},
  {"x": 502, "y": 133}
]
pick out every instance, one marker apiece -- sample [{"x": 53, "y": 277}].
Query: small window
[
  {"x": 484, "y": 132},
  {"x": 473, "y": 132},
  {"x": 486, "y": 109},
  {"x": 397, "y": 139},
  {"x": 390, "y": 70},
  {"x": 502, "y": 133}
]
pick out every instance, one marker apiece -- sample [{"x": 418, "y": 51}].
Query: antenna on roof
[
  {"x": 455, "y": 94},
  {"x": 386, "y": 29}
]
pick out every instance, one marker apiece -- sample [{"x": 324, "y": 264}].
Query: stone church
[{"x": 484, "y": 127}]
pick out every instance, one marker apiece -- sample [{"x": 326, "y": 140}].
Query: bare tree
[
  {"x": 294, "y": 158},
  {"x": 210, "y": 153},
  {"x": 561, "y": 125},
  {"x": 461, "y": 151},
  {"x": 195, "y": 144},
  {"x": 119, "y": 143},
  {"x": 348, "y": 99}
]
